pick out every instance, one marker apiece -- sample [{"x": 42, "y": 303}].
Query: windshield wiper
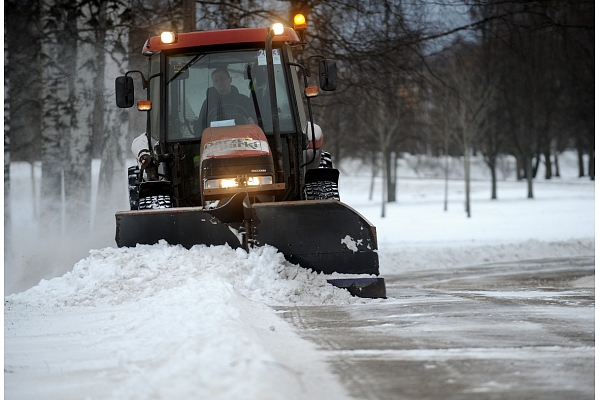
[{"x": 186, "y": 67}]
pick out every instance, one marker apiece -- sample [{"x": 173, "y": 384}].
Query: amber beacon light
[{"x": 299, "y": 22}]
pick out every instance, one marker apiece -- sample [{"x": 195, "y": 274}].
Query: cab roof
[{"x": 219, "y": 37}]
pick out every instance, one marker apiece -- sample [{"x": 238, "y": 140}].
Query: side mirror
[
  {"x": 328, "y": 75},
  {"x": 124, "y": 91}
]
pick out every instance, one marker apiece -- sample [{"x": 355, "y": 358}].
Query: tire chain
[
  {"x": 154, "y": 202},
  {"x": 325, "y": 160},
  {"x": 321, "y": 190}
]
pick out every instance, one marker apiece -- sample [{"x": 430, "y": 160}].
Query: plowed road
[{"x": 522, "y": 330}]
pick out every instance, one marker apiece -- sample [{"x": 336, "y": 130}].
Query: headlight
[
  {"x": 259, "y": 180},
  {"x": 168, "y": 37},
  {"x": 238, "y": 182},
  {"x": 220, "y": 183},
  {"x": 277, "y": 28}
]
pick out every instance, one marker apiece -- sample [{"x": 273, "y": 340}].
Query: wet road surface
[{"x": 521, "y": 330}]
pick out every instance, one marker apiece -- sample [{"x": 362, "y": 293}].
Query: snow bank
[
  {"x": 112, "y": 276},
  {"x": 164, "y": 322}
]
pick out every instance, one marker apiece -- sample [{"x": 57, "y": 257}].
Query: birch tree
[
  {"x": 7, "y": 216},
  {"x": 109, "y": 125},
  {"x": 58, "y": 56}
]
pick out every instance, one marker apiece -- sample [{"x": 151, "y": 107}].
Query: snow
[
  {"x": 164, "y": 322},
  {"x": 418, "y": 234},
  {"x": 158, "y": 322},
  {"x": 111, "y": 277}
]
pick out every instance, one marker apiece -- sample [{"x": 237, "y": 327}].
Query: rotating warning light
[
  {"x": 277, "y": 28},
  {"x": 168, "y": 37},
  {"x": 299, "y": 22}
]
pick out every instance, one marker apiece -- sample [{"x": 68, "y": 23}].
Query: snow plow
[{"x": 230, "y": 156}]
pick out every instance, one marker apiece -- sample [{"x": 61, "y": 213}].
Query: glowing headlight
[
  {"x": 259, "y": 180},
  {"x": 278, "y": 28},
  {"x": 237, "y": 182},
  {"x": 220, "y": 183},
  {"x": 168, "y": 37}
]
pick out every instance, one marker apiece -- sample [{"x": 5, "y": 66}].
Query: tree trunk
[
  {"x": 557, "y": 169},
  {"x": 591, "y": 140},
  {"x": 55, "y": 123},
  {"x": 591, "y": 163},
  {"x": 34, "y": 193},
  {"x": 374, "y": 172},
  {"x": 391, "y": 163},
  {"x": 580, "y": 159},
  {"x": 466, "y": 143},
  {"x": 112, "y": 164},
  {"x": 548, "y": 164},
  {"x": 535, "y": 166},
  {"x": 467, "y": 167},
  {"x": 494, "y": 183},
  {"x": 116, "y": 134},
  {"x": 529, "y": 175},
  {"x": 189, "y": 15},
  {"x": 446, "y": 157},
  {"x": 7, "y": 216},
  {"x": 77, "y": 171},
  {"x": 383, "y": 185},
  {"x": 491, "y": 163}
]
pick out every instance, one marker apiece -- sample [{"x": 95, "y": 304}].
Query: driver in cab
[{"x": 224, "y": 103}]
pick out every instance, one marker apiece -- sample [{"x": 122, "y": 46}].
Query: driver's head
[{"x": 221, "y": 80}]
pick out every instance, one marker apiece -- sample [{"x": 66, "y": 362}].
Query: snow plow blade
[
  {"x": 373, "y": 288},
  {"x": 324, "y": 235},
  {"x": 184, "y": 226}
]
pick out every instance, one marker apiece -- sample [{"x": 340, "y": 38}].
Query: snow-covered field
[{"x": 162, "y": 322}]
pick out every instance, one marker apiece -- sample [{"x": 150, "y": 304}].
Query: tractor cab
[
  {"x": 219, "y": 125},
  {"x": 213, "y": 98}
]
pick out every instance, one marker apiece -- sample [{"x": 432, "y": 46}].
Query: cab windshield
[{"x": 220, "y": 89}]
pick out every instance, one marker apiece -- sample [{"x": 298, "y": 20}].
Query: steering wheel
[{"x": 239, "y": 114}]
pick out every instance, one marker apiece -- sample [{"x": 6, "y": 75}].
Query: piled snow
[
  {"x": 162, "y": 322},
  {"x": 113, "y": 276}
]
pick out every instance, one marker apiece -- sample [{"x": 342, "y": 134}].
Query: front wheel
[
  {"x": 321, "y": 190},
  {"x": 322, "y": 182},
  {"x": 155, "y": 202}
]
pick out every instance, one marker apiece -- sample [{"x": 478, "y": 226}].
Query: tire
[
  {"x": 133, "y": 179},
  {"x": 155, "y": 202},
  {"x": 321, "y": 190},
  {"x": 325, "y": 160}
]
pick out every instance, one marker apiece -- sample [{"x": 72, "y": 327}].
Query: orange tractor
[{"x": 230, "y": 155}]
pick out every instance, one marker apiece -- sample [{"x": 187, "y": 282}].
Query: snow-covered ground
[
  {"x": 418, "y": 234},
  {"x": 164, "y": 322}
]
